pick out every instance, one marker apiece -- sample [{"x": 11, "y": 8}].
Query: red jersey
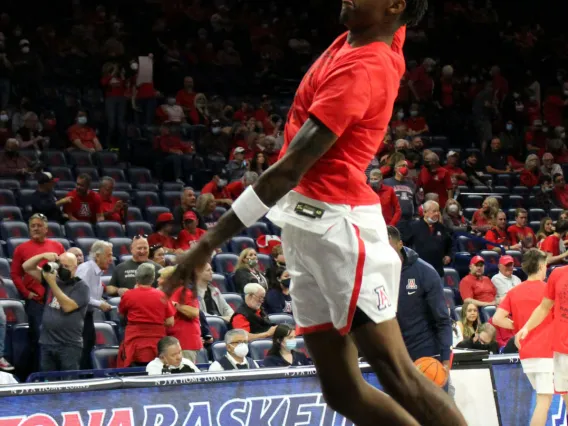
[
  {"x": 479, "y": 219},
  {"x": 557, "y": 291},
  {"x": 352, "y": 92},
  {"x": 481, "y": 289},
  {"x": 186, "y": 240},
  {"x": 389, "y": 205},
  {"x": 146, "y": 305},
  {"x": 24, "y": 282},
  {"x": 186, "y": 330},
  {"x": 234, "y": 189},
  {"x": 163, "y": 240},
  {"x": 84, "y": 208},
  {"x": 524, "y": 234},
  {"x": 439, "y": 182},
  {"x": 495, "y": 235},
  {"x": 520, "y": 302},
  {"x": 551, "y": 244},
  {"x": 107, "y": 206},
  {"x": 416, "y": 123}
]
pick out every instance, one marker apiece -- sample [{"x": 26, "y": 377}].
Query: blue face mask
[
  {"x": 82, "y": 120},
  {"x": 509, "y": 127},
  {"x": 290, "y": 344}
]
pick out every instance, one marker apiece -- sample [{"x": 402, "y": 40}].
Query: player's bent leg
[
  {"x": 343, "y": 386},
  {"x": 540, "y": 413},
  {"x": 384, "y": 350}
]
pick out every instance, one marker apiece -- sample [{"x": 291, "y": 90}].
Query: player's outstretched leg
[
  {"x": 540, "y": 413},
  {"x": 384, "y": 350},
  {"x": 343, "y": 386}
]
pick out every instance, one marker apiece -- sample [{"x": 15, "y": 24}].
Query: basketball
[{"x": 433, "y": 370}]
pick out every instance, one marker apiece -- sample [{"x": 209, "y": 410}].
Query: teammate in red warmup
[
  {"x": 536, "y": 350},
  {"x": 551, "y": 244},
  {"x": 331, "y": 217}
]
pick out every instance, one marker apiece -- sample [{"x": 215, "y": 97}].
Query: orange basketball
[{"x": 433, "y": 370}]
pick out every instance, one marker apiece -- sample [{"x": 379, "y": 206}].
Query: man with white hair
[
  {"x": 91, "y": 272},
  {"x": 434, "y": 178},
  {"x": 236, "y": 188},
  {"x": 236, "y": 357},
  {"x": 250, "y": 316},
  {"x": 549, "y": 167}
]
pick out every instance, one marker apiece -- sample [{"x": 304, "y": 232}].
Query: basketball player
[
  {"x": 555, "y": 294},
  {"x": 536, "y": 350},
  {"x": 344, "y": 273}
]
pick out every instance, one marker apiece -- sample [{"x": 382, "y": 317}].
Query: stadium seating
[
  {"x": 77, "y": 229},
  {"x": 264, "y": 262},
  {"x": 54, "y": 230},
  {"x": 13, "y": 229},
  {"x": 11, "y": 213},
  {"x": 220, "y": 282},
  {"x": 218, "y": 327},
  {"x": 107, "y": 229},
  {"x": 115, "y": 173},
  {"x": 238, "y": 244},
  {"x": 487, "y": 312},
  {"x": 7, "y": 198},
  {"x": 120, "y": 246},
  {"x": 14, "y": 310},
  {"x": 7, "y": 288},
  {"x": 105, "y": 335},
  {"x": 233, "y": 299},
  {"x": 12, "y": 243},
  {"x": 85, "y": 244},
  {"x": 259, "y": 349},
  {"x": 80, "y": 159},
  {"x": 225, "y": 263},
  {"x": 104, "y": 357},
  {"x": 138, "y": 228},
  {"x": 282, "y": 319},
  {"x": 219, "y": 349}
]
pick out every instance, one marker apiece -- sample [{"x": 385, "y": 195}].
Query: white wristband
[{"x": 249, "y": 208}]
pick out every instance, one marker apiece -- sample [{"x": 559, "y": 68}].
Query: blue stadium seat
[
  {"x": 555, "y": 213},
  {"x": 220, "y": 282},
  {"x": 511, "y": 213},
  {"x": 258, "y": 229},
  {"x": 238, "y": 244},
  {"x": 145, "y": 199},
  {"x": 282, "y": 319},
  {"x": 264, "y": 262},
  {"x": 91, "y": 171},
  {"x": 12, "y": 184},
  {"x": 504, "y": 190},
  {"x": 120, "y": 246},
  {"x": 7, "y": 288},
  {"x": 64, "y": 242},
  {"x": 472, "y": 201},
  {"x": 520, "y": 190},
  {"x": 2, "y": 255},
  {"x": 134, "y": 214},
  {"x": 78, "y": 229},
  {"x": 451, "y": 278},
  {"x": 80, "y": 158},
  {"x": 115, "y": 173},
  {"x": 536, "y": 214},
  {"x": 449, "y": 296},
  {"x": 219, "y": 211},
  {"x": 20, "y": 342},
  {"x": 25, "y": 199},
  {"x": 7, "y": 198},
  {"x": 54, "y": 230},
  {"x": 516, "y": 201},
  {"x": 13, "y": 229},
  {"x": 122, "y": 195},
  {"x": 469, "y": 212},
  {"x": 104, "y": 357},
  {"x": 491, "y": 262},
  {"x": 14, "y": 310},
  {"x": 85, "y": 244},
  {"x": 12, "y": 243},
  {"x": 62, "y": 173},
  {"x": 67, "y": 185},
  {"x": 146, "y": 186},
  {"x": 219, "y": 349},
  {"x": 218, "y": 327},
  {"x": 107, "y": 159},
  {"x": 534, "y": 225},
  {"x": 4, "y": 268},
  {"x": 139, "y": 175},
  {"x": 171, "y": 199},
  {"x": 457, "y": 312},
  {"x": 469, "y": 245},
  {"x": 259, "y": 349},
  {"x": 108, "y": 229},
  {"x": 503, "y": 180},
  {"x": 301, "y": 346},
  {"x": 172, "y": 186},
  {"x": 461, "y": 263},
  {"x": 114, "y": 301},
  {"x": 202, "y": 357},
  {"x": 233, "y": 299},
  {"x": 225, "y": 263},
  {"x": 487, "y": 313},
  {"x": 122, "y": 186},
  {"x": 54, "y": 158},
  {"x": 105, "y": 335},
  {"x": 11, "y": 213},
  {"x": 153, "y": 212},
  {"x": 138, "y": 228}
]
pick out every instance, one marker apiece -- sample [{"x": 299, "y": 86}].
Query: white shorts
[
  {"x": 539, "y": 371},
  {"x": 560, "y": 372},
  {"x": 335, "y": 272}
]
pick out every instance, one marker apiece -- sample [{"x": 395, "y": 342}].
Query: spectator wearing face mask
[
  {"x": 283, "y": 353},
  {"x": 218, "y": 186},
  {"x": 434, "y": 178},
  {"x": 215, "y": 144},
  {"x": 83, "y": 137},
  {"x": 389, "y": 201},
  {"x": 170, "y": 111},
  {"x": 405, "y": 190},
  {"x": 536, "y": 137},
  {"x": 278, "y": 299},
  {"x": 12, "y": 164},
  {"x": 452, "y": 166},
  {"x": 236, "y": 357},
  {"x": 530, "y": 175},
  {"x": 549, "y": 167},
  {"x": 510, "y": 138},
  {"x": 397, "y": 119},
  {"x": 190, "y": 233},
  {"x": 176, "y": 155},
  {"x": 143, "y": 94},
  {"x": 543, "y": 197},
  {"x": 553, "y": 245},
  {"x": 28, "y": 70},
  {"x": 453, "y": 217},
  {"x": 247, "y": 271},
  {"x": 416, "y": 123}
]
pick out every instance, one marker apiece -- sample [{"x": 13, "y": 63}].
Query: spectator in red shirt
[
  {"x": 553, "y": 245},
  {"x": 476, "y": 288},
  {"x": 560, "y": 191},
  {"x": 236, "y": 188},
  {"x": 416, "y": 123},
  {"x": 218, "y": 187},
  {"x": 520, "y": 232},
  {"x": 190, "y": 233},
  {"x": 484, "y": 218},
  {"x": 83, "y": 137},
  {"x": 200, "y": 113},
  {"x": 31, "y": 290},
  {"x": 250, "y": 315},
  {"x": 452, "y": 166},
  {"x": 420, "y": 82},
  {"x": 186, "y": 97},
  {"x": 389, "y": 201},
  {"x": 148, "y": 312},
  {"x": 114, "y": 84},
  {"x": 536, "y": 138},
  {"x": 530, "y": 175},
  {"x": 499, "y": 235},
  {"x": 85, "y": 204},
  {"x": 163, "y": 235},
  {"x": 436, "y": 179},
  {"x": 244, "y": 113},
  {"x": 553, "y": 107},
  {"x": 262, "y": 113},
  {"x": 113, "y": 208},
  {"x": 176, "y": 154}
]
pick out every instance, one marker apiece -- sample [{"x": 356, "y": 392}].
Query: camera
[{"x": 50, "y": 267}]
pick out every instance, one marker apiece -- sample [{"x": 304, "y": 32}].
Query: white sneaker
[{"x": 5, "y": 365}]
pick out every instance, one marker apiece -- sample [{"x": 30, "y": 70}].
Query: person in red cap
[
  {"x": 162, "y": 236},
  {"x": 551, "y": 244},
  {"x": 476, "y": 288},
  {"x": 190, "y": 233},
  {"x": 505, "y": 280}
]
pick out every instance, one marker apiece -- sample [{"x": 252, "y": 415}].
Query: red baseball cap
[
  {"x": 266, "y": 243},
  {"x": 476, "y": 259},
  {"x": 505, "y": 260},
  {"x": 189, "y": 216},
  {"x": 165, "y": 217}
]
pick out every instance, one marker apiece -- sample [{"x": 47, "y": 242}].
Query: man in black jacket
[
  {"x": 43, "y": 200},
  {"x": 250, "y": 315}
]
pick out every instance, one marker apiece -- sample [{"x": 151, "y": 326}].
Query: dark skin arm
[{"x": 312, "y": 141}]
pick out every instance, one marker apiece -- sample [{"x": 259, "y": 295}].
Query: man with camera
[{"x": 61, "y": 336}]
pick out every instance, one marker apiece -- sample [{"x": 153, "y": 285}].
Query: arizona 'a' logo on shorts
[{"x": 384, "y": 301}]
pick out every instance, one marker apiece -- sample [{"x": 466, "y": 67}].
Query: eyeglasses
[
  {"x": 137, "y": 237},
  {"x": 39, "y": 216}
]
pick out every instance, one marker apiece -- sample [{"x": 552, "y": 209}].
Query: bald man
[
  {"x": 78, "y": 254},
  {"x": 61, "y": 337}
]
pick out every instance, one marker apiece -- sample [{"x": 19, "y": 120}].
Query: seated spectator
[
  {"x": 259, "y": 163},
  {"x": 237, "y": 350},
  {"x": 530, "y": 175},
  {"x": 176, "y": 155},
  {"x": 498, "y": 234},
  {"x": 83, "y": 137},
  {"x": 186, "y": 326},
  {"x": 187, "y": 203},
  {"x": 474, "y": 170},
  {"x": 453, "y": 217},
  {"x": 190, "y": 233},
  {"x": 4, "y": 364},
  {"x": 50, "y": 132},
  {"x": 511, "y": 138},
  {"x": 452, "y": 166},
  {"x": 113, "y": 208},
  {"x": 434, "y": 178},
  {"x": 170, "y": 359},
  {"x": 30, "y": 135},
  {"x": 170, "y": 111},
  {"x": 43, "y": 199},
  {"x": 247, "y": 271},
  {"x": 206, "y": 206},
  {"x": 416, "y": 123},
  {"x": 505, "y": 280},
  {"x": 520, "y": 232},
  {"x": 211, "y": 300},
  {"x": 544, "y": 196},
  {"x": 124, "y": 275},
  {"x": 496, "y": 159},
  {"x": 282, "y": 353},
  {"x": 469, "y": 320},
  {"x": 546, "y": 229},
  {"x": 237, "y": 187},
  {"x": 553, "y": 245},
  {"x": 78, "y": 254},
  {"x": 199, "y": 114},
  {"x": 163, "y": 235},
  {"x": 272, "y": 244},
  {"x": 12, "y": 164},
  {"x": 476, "y": 287},
  {"x": 237, "y": 167},
  {"x": 158, "y": 255},
  {"x": 484, "y": 218},
  {"x": 484, "y": 340},
  {"x": 250, "y": 316},
  {"x": 389, "y": 201},
  {"x": 218, "y": 187},
  {"x": 278, "y": 299},
  {"x": 560, "y": 191},
  {"x": 549, "y": 167},
  {"x": 85, "y": 205},
  {"x": 148, "y": 312}
]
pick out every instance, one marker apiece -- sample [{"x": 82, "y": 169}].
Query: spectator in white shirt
[
  {"x": 170, "y": 359},
  {"x": 237, "y": 350},
  {"x": 549, "y": 167},
  {"x": 172, "y": 111},
  {"x": 505, "y": 280}
]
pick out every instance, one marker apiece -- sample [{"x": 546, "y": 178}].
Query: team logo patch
[
  {"x": 384, "y": 301},
  {"x": 411, "y": 284}
]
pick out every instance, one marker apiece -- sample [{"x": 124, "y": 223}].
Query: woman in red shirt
[
  {"x": 484, "y": 218},
  {"x": 530, "y": 175},
  {"x": 190, "y": 233}
]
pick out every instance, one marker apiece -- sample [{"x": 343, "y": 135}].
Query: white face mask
[
  {"x": 453, "y": 208},
  {"x": 413, "y": 113},
  {"x": 25, "y": 49},
  {"x": 134, "y": 66},
  {"x": 432, "y": 220},
  {"x": 241, "y": 350},
  {"x": 4, "y": 117}
]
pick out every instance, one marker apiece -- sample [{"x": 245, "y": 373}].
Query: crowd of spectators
[{"x": 196, "y": 93}]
